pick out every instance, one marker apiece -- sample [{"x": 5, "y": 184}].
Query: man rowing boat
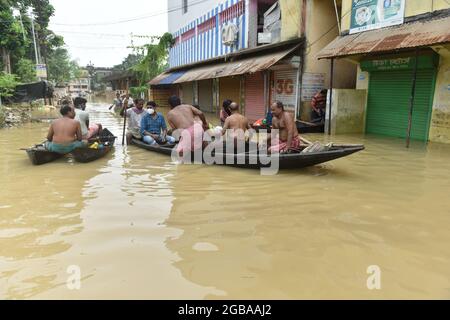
[
  {"x": 64, "y": 134},
  {"x": 182, "y": 117}
]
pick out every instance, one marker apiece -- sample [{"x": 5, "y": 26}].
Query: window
[{"x": 184, "y": 6}]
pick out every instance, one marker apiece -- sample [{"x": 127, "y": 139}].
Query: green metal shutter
[{"x": 389, "y": 101}]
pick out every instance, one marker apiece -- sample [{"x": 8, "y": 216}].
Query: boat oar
[{"x": 124, "y": 125}]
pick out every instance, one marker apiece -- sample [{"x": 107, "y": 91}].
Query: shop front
[{"x": 390, "y": 88}]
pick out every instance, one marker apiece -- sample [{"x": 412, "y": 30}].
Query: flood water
[{"x": 141, "y": 227}]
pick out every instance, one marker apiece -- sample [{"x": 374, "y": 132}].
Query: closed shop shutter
[
  {"x": 389, "y": 102},
  {"x": 205, "y": 95},
  {"x": 188, "y": 93},
  {"x": 229, "y": 88},
  {"x": 284, "y": 89},
  {"x": 254, "y": 96},
  {"x": 161, "y": 96}
]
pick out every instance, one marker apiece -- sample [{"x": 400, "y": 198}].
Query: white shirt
[
  {"x": 82, "y": 117},
  {"x": 134, "y": 119}
]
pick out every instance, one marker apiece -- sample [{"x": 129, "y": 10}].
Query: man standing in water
[
  {"x": 288, "y": 139},
  {"x": 64, "y": 134},
  {"x": 182, "y": 117}
]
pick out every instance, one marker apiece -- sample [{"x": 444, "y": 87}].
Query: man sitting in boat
[
  {"x": 182, "y": 117},
  {"x": 288, "y": 139},
  {"x": 236, "y": 125},
  {"x": 88, "y": 130},
  {"x": 64, "y": 134},
  {"x": 154, "y": 128},
  {"x": 134, "y": 115}
]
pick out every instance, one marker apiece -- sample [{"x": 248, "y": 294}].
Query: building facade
[
  {"x": 253, "y": 52},
  {"x": 402, "y": 51},
  {"x": 80, "y": 86}
]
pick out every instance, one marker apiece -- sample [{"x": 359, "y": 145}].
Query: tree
[
  {"x": 8, "y": 83},
  {"x": 155, "y": 61},
  {"x": 130, "y": 61},
  {"x": 26, "y": 70},
  {"x": 61, "y": 68}
]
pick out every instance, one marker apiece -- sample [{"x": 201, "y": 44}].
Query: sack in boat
[{"x": 317, "y": 147}]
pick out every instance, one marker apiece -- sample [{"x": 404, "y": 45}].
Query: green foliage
[
  {"x": 25, "y": 69},
  {"x": 155, "y": 61},
  {"x": 8, "y": 83},
  {"x": 130, "y": 61},
  {"x": 137, "y": 91},
  {"x": 60, "y": 68}
]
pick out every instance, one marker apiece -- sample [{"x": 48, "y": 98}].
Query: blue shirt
[{"x": 153, "y": 125}]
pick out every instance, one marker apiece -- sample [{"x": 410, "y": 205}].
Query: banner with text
[{"x": 375, "y": 14}]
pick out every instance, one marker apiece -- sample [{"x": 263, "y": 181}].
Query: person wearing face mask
[{"x": 153, "y": 127}]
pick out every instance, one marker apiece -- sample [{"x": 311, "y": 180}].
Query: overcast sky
[{"x": 99, "y": 30}]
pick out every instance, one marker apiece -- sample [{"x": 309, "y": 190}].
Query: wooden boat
[
  {"x": 253, "y": 161},
  {"x": 88, "y": 154},
  {"x": 40, "y": 155}
]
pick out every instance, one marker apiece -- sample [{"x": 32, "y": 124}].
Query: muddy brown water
[{"x": 140, "y": 226}]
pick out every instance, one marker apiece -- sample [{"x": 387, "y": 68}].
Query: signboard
[
  {"x": 312, "y": 83},
  {"x": 41, "y": 71},
  {"x": 404, "y": 63},
  {"x": 285, "y": 88},
  {"x": 375, "y": 14}
]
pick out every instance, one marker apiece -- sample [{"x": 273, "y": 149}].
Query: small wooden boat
[
  {"x": 40, "y": 155},
  {"x": 253, "y": 161},
  {"x": 88, "y": 154}
]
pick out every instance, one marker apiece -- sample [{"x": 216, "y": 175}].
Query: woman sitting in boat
[
  {"x": 64, "y": 134},
  {"x": 287, "y": 139},
  {"x": 153, "y": 127}
]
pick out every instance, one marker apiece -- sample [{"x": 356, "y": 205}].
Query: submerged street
[{"x": 141, "y": 227}]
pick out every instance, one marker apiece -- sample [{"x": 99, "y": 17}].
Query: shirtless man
[
  {"x": 64, "y": 134},
  {"x": 236, "y": 123},
  {"x": 288, "y": 139},
  {"x": 182, "y": 117}
]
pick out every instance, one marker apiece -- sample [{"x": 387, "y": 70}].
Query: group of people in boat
[
  {"x": 146, "y": 124},
  {"x": 74, "y": 129}
]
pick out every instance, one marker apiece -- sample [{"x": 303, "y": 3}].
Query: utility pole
[{"x": 34, "y": 38}]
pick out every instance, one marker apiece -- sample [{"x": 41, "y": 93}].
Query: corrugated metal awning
[
  {"x": 226, "y": 69},
  {"x": 409, "y": 35},
  {"x": 167, "y": 78}
]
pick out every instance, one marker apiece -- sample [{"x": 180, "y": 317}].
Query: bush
[
  {"x": 8, "y": 83},
  {"x": 26, "y": 71}
]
